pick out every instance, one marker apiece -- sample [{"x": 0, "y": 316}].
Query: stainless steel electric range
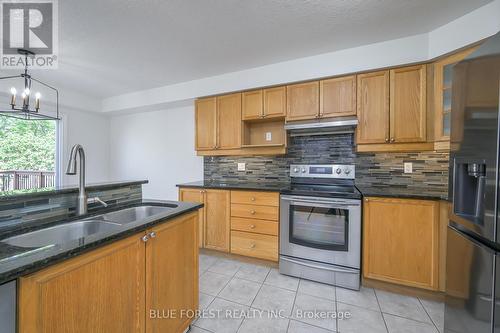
[{"x": 320, "y": 225}]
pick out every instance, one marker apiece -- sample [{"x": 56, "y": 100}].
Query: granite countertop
[
  {"x": 18, "y": 261},
  {"x": 401, "y": 192},
  {"x": 366, "y": 190},
  {"x": 273, "y": 187},
  {"x": 38, "y": 192}
]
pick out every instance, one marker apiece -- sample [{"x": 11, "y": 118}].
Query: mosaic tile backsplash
[
  {"x": 24, "y": 211},
  {"x": 430, "y": 169}
]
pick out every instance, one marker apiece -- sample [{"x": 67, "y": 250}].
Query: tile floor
[{"x": 248, "y": 295}]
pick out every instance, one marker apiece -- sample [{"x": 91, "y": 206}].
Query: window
[{"x": 27, "y": 154}]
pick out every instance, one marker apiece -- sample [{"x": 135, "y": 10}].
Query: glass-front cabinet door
[{"x": 443, "y": 78}]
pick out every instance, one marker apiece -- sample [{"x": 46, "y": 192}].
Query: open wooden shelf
[
  {"x": 255, "y": 134},
  {"x": 264, "y": 145}
]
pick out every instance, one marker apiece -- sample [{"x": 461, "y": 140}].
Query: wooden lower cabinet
[
  {"x": 214, "y": 220},
  {"x": 196, "y": 195},
  {"x": 255, "y": 224},
  {"x": 217, "y": 219},
  {"x": 401, "y": 241},
  {"x": 113, "y": 289},
  {"x": 172, "y": 274},
  {"x": 240, "y": 222},
  {"x": 254, "y": 245}
]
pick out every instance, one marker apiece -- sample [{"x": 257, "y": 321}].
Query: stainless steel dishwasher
[{"x": 8, "y": 307}]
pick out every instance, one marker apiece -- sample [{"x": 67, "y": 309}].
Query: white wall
[
  {"x": 91, "y": 130},
  {"x": 158, "y": 146}
]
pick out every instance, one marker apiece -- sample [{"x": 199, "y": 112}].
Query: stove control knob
[
  {"x": 303, "y": 170},
  {"x": 347, "y": 171},
  {"x": 295, "y": 170},
  {"x": 338, "y": 171}
]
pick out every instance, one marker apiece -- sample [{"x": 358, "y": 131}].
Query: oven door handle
[
  {"x": 319, "y": 205},
  {"x": 320, "y": 201},
  {"x": 333, "y": 269}
]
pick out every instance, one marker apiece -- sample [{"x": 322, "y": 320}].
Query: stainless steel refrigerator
[{"x": 473, "y": 239}]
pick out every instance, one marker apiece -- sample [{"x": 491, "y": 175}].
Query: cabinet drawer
[
  {"x": 254, "y": 245},
  {"x": 254, "y": 225},
  {"x": 255, "y": 212},
  {"x": 255, "y": 198}
]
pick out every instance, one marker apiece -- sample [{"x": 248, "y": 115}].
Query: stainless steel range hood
[{"x": 322, "y": 127}]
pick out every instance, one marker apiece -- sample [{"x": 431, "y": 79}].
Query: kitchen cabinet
[
  {"x": 117, "y": 285},
  {"x": 373, "y": 107},
  {"x": 218, "y": 122},
  {"x": 401, "y": 241},
  {"x": 217, "y": 221},
  {"x": 252, "y": 105},
  {"x": 275, "y": 102},
  {"x": 267, "y": 103},
  {"x": 302, "y": 101},
  {"x": 255, "y": 224},
  {"x": 172, "y": 274},
  {"x": 229, "y": 121},
  {"x": 337, "y": 97},
  {"x": 196, "y": 195},
  {"x": 408, "y": 104},
  {"x": 206, "y": 123},
  {"x": 214, "y": 220},
  {"x": 392, "y": 110},
  {"x": 443, "y": 77}
]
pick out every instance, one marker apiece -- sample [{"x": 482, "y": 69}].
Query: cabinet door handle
[
  {"x": 252, "y": 246},
  {"x": 392, "y": 140},
  {"x": 386, "y": 139},
  {"x": 145, "y": 238},
  {"x": 152, "y": 234},
  {"x": 252, "y": 226},
  {"x": 252, "y": 212},
  {"x": 252, "y": 199}
]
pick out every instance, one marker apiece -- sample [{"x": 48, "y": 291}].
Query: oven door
[{"x": 321, "y": 229}]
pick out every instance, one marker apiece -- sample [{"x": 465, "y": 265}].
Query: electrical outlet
[
  {"x": 269, "y": 136},
  {"x": 241, "y": 167},
  {"x": 408, "y": 166}
]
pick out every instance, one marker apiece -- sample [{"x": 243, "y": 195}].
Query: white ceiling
[{"x": 114, "y": 47}]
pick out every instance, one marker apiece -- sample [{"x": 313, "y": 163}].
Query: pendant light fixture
[{"x": 27, "y": 105}]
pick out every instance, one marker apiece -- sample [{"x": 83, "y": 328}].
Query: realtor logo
[{"x": 30, "y": 25}]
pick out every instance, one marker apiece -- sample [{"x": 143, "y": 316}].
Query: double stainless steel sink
[{"x": 105, "y": 223}]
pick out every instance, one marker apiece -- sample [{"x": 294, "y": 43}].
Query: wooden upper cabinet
[
  {"x": 302, "y": 101},
  {"x": 373, "y": 107},
  {"x": 206, "y": 123},
  {"x": 401, "y": 241},
  {"x": 172, "y": 274},
  {"x": 408, "y": 104},
  {"x": 338, "y": 97},
  {"x": 229, "y": 121},
  {"x": 252, "y": 104},
  {"x": 217, "y": 219},
  {"x": 275, "y": 102},
  {"x": 264, "y": 103},
  {"x": 104, "y": 287}
]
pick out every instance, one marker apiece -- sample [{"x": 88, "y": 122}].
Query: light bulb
[
  {"x": 37, "y": 100},
  {"x": 13, "y": 91},
  {"x": 23, "y": 95},
  {"x": 27, "y": 91}
]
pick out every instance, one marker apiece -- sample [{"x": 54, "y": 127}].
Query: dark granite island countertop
[
  {"x": 272, "y": 187},
  {"x": 18, "y": 261},
  {"x": 48, "y": 191}
]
